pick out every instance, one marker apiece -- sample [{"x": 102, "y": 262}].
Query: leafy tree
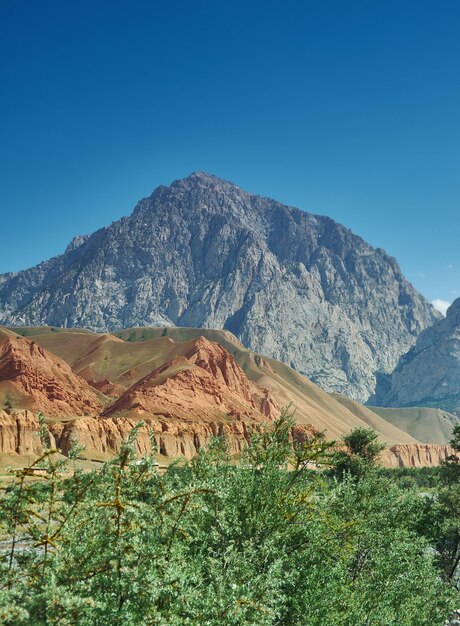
[
  {"x": 385, "y": 563},
  {"x": 450, "y": 468},
  {"x": 360, "y": 453},
  {"x": 425, "y": 478},
  {"x": 455, "y": 441},
  {"x": 442, "y": 521}
]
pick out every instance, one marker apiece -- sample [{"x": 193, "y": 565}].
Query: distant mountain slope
[
  {"x": 423, "y": 423},
  {"x": 372, "y": 418},
  {"x": 204, "y": 253},
  {"x": 429, "y": 374}
]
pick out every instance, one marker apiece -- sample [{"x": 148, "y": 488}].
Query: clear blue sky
[{"x": 350, "y": 109}]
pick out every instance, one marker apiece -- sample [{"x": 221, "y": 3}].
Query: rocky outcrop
[
  {"x": 198, "y": 393},
  {"x": 203, "y": 385},
  {"x": 47, "y": 382},
  {"x": 102, "y": 437},
  {"x": 19, "y": 433},
  {"x": 415, "y": 455},
  {"x": 105, "y": 386},
  {"x": 429, "y": 374},
  {"x": 116, "y": 363},
  {"x": 203, "y": 252}
]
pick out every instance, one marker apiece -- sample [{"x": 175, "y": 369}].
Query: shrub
[{"x": 263, "y": 543}]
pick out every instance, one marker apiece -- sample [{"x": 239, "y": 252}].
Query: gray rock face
[
  {"x": 203, "y": 252},
  {"x": 429, "y": 374}
]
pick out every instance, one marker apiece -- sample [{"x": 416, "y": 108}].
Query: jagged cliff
[
  {"x": 19, "y": 433},
  {"x": 429, "y": 373},
  {"x": 102, "y": 438},
  {"x": 415, "y": 455},
  {"x": 128, "y": 367},
  {"x": 195, "y": 386},
  {"x": 203, "y": 252}
]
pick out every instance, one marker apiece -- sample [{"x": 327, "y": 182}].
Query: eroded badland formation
[{"x": 185, "y": 386}]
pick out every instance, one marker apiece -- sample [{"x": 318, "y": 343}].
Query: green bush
[
  {"x": 414, "y": 477},
  {"x": 265, "y": 543},
  {"x": 359, "y": 454}
]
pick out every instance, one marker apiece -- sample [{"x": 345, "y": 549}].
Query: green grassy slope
[{"x": 425, "y": 424}]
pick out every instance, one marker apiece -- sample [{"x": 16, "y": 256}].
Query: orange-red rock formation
[
  {"x": 186, "y": 402},
  {"x": 173, "y": 438},
  {"x": 46, "y": 380},
  {"x": 19, "y": 433},
  {"x": 103, "y": 437},
  {"x": 199, "y": 392},
  {"x": 415, "y": 455},
  {"x": 105, "y": 386},
  {"x": 205, "y": 385}
]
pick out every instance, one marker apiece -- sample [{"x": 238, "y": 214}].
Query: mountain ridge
[
  {"x": 121, "y": 361},
  {"x": 429, "y": 373}
]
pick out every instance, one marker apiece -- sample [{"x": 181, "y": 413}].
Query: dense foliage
[
  {"x": 425, "y": 478},
  {"x": 266, "y": 542},
  {"x": 359, "y": 453}
]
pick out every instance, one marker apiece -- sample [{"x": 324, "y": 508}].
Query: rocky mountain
[
  {"x": 295, "y": 286},
  {"x": 20, "y": 444},
  {"x": 204, "y": 379},
  {"x": 429, "y": 373}
]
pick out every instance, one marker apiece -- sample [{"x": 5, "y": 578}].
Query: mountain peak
[
  {"x": 205, "y": 253},
  {"x": 204, "y": 178}
]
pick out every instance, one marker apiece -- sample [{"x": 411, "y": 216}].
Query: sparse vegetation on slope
[{"x": 429, "y": 425}]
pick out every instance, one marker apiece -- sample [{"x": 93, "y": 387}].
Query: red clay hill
[
  {"x": 33, "y": 378},
  {"x": 200, "y": 385},
  {"x": 185, "y": 384}
]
